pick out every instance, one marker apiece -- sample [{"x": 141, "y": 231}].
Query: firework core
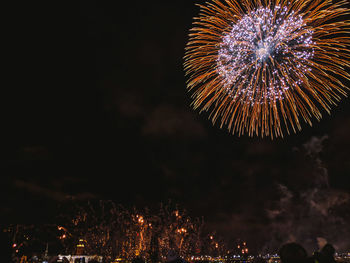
[{"x": 259, "y": 53}]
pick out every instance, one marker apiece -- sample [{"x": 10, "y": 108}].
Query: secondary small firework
[{"x": 263, "y": 67}]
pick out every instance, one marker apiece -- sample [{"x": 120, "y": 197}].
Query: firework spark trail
[{"x": 262, "y": 66}]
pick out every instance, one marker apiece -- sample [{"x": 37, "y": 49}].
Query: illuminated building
[
  {"x": 80, "y": 249},
  {"x": 79, "y": 256}
]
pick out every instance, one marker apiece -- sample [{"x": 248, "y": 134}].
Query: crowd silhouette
[
  {"x": 289, "y": 253},
  {"x": 295, "y": 253}
]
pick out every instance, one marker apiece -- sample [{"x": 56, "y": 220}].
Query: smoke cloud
[{"x": 315, "y": 212}]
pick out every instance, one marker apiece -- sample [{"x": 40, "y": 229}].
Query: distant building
[
  {"x": 80, "y": 255},
  {"x": 80, "y": 249},
  {"x": 79, "y": 258}
]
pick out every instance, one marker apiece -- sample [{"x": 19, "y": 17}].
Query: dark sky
[{"x": 97, "y": 107}]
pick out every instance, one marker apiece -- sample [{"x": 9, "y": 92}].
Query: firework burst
[{"x": 262, "y": 66}]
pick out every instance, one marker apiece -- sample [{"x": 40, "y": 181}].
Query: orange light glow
[
  {"x": 141, "y": 220},
  {"x": 181, "y": 230}
]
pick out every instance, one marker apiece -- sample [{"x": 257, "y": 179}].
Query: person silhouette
[
  {"x": 326, "y": 254},
  {"x": 292, "y": 253}
]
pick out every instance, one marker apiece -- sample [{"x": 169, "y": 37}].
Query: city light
[
  {"x": 63, "y": 236},
  {"x": 181, "y": 231}
]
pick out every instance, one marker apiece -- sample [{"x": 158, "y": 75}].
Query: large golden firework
[{"x": 261, "y": 66}]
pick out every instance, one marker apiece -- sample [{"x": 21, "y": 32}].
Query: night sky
[{"x": 97, "y": 108}]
